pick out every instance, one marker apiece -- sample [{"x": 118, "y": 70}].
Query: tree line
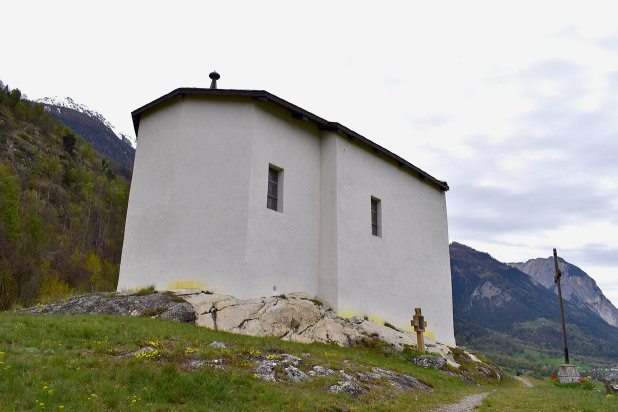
[{"x": 62, "y": 208}]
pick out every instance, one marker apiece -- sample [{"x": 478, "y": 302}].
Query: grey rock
[
  {"x": 217, "y": 363},
  {"x": 162, "y": 305},
  {"x": 180, "y": 312},
  {"x": 463, "y": 378},
  {"x": 429, "y": 361},
  {"x": 145, "y": 349},
  {"x": 489, "y": 291},
  {"x": 295, "y": 374},
  {"x": 265, "y": 369},
  {"x": 291, "y": 359},
  {"x": 321, "y": 371},
  {"x": 350, "y": 388},
  {"x": 217, "y": 345},
  {"x": 206, "y": 320},
  {"x": 367, "y": 377},
  {"x": 346, "y": 375},
  {"x": 402, "y": 381},
  {"x": 192, "y": 364}
]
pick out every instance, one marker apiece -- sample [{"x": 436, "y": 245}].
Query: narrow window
[
  {"x": 376, "y": 230},
  {"x": 275, "y": 183}
]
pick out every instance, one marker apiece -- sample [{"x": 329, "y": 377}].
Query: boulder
[{"x": 162, "y": 305}]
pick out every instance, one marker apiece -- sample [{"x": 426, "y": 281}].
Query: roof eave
[{"x": 297, "y": 112}]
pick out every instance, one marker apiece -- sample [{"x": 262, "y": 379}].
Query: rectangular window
[
  {"x": 376, "y": 230},
  {"x": 274, "y": 198}
]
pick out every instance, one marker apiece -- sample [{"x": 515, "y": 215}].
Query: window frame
[
  {"x": 274, "y": 191},
  {"x": 376, "y": 216}
]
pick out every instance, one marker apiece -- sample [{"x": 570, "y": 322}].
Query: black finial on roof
[{"x": 214, "y": 76}]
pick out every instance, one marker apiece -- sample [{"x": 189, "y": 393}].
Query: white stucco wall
[
  {"x": 408, "y": 266},
  {"x": 282, "y": 253},
  {"x": 329, "y": 265},
  {"x": 197, "y": 214},
  {"x": 197, "y": 209},
  {"x": 185, "y": 226}
]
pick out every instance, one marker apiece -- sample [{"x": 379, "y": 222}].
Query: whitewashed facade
[{"x": 198, "y": 214}]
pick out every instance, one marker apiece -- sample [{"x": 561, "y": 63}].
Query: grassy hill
[{"x": 90, "y": 363}]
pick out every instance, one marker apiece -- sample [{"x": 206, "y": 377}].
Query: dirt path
[
  {"x": 524, "y": 380},
  {"x": 467, "y": 404}
]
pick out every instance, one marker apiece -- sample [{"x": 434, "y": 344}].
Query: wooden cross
[{"x": 418, "y": 321}]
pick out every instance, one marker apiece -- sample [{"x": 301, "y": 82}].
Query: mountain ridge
[
  {"x": 95, "y": 129},
  {"x": 69, "y": 103},
  {"x": 577, "y": 286},
  {"x": 502, "y": 311}
]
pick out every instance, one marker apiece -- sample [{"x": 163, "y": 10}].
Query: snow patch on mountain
[{"x": 72, "y": 104}]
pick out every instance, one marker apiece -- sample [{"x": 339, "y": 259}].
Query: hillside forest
[{"x": 62, "y": 208}]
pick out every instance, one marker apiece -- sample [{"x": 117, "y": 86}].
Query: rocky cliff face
[
  {"x": 577, "y": 287},
  {"x": 496, "y": 296}
]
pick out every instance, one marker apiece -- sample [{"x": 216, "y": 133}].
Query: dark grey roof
[{"x": 297, "y": 113}]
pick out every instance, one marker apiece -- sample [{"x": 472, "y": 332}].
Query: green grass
[
  {"x": 545, "y": 359},
  {"x": 539, "y": 323},
  {"x": 547, "y": 397},
  {"x": 86, "y": 363}
]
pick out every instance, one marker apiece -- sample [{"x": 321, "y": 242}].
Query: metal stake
[{"x": 557, "y": 281}]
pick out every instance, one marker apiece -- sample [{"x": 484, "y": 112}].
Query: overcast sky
[{"x": 513, "y": 103}]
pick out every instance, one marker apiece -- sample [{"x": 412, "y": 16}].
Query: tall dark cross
[{"x": 557, "y": 281}]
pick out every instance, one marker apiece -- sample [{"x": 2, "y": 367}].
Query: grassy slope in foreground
[{"x": 79, "y": 363}]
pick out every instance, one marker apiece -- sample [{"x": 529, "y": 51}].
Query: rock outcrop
[
  {"x": 354, "y": 381},
  {"x": 160, "y": 305},
  {"x": 295, "y": 317},
  {"x": 497, "y": 297},
  {"x": 577, "y": 287}
]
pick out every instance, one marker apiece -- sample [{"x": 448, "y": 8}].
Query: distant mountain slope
[
  {"x": 497, "y": 307},
  {"x": 577, "y": 287},
  {"x": 93, "y": 127},
  {"x": 62, "y": 209}
]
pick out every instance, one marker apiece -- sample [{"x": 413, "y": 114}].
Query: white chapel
[{"x": 240, "y": 192}]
